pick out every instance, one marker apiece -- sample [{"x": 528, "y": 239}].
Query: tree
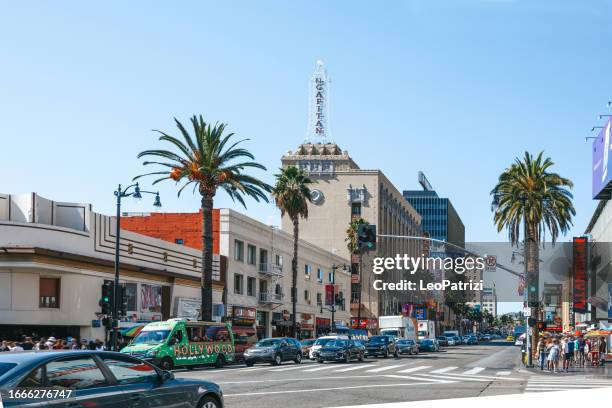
[
  {"x": 292, "y": 194},
  {"x": 352, "y": 244},
  {"x": 207, "y": 160}
]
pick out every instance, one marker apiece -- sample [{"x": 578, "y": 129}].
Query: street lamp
[
  {"x": 119, "y": 193},
  {"x": 333, "y": 294}
]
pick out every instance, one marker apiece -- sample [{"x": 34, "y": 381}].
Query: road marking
[
  {"x": 325, "y": 367},
  {"x": 503, "y": 373},
  {"x": 456, "y": 378},
  {"x": 274, "y": 370},
  {"x": 413, "y": 369},
  {"x": 385, "y": 368},
  {"x": 474, "y": 370},
  {"x": 428, "y": 380},
  {"x": 444, "y": 370},
  {"x": 357, "y": 367},
  {"x": 246, "y": 394}
]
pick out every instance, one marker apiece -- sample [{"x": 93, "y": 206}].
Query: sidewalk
[{"x": 601, "y": 371}]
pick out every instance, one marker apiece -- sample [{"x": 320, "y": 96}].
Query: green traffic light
[{"x": 105, "y": 298}]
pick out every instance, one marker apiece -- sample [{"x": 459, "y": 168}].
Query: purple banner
[{"x": 602, "y": 166}]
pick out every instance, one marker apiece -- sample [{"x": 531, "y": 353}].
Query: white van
[{"x": 321, "y": 341}]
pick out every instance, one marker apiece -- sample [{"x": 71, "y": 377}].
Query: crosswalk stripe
[
  {"x": 385, "y": 368},
  {"x": 274, "y": 370},
  {"x": 430, "y": 380},
  {"x": 503, "y": 373},
  {"x": 474, "y": 370},
  {"x": 455, "y": 378},
  {"x": 444, "y": 370},
  {"x": 357, "y": 367},
  {"x": 413, "y": 369},
  {"x": 323, "y": 367}
]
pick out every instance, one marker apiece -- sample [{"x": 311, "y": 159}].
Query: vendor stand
[{"x": 596, "y": 337}]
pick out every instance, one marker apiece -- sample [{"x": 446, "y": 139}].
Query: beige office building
[{"x": 344, "y": 192}]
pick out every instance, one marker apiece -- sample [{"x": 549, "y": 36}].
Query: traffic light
[
  {"x": 106, "y": 300},
  {"x": 531, "y": 321},
  {"x": 122, "y": 301},
  {"x": 366, "y": 237},
  {"x": 533, "y": 292}
]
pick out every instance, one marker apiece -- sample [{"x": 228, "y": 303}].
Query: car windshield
[
  {"x": 379, "y": 339},
  {"x": 6, "y": 367},
  {"x": 308, "y": 342},
  {"x": 337, "y": 343},
  {"x": 268, "y": 343},
  {"x": 441, "y": 338},
  {"x": 151, "y": 337},
  {"x": 322, "y": 342},
  {"x": 427, "y": 342},
  {"x": 404, "y": 342}
]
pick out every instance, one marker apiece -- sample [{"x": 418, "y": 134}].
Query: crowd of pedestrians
[
  {"x": 561, "y": 353},
  {"x": 52, "y": 343}
]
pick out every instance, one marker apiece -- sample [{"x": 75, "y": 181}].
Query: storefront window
[
  {"x": 130, "y": 291},
  {"x": 151, "y": 298},
  {"x": 49, "y": 290}
]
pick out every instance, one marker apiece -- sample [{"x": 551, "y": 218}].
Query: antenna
[{"x": 318, "y": 107}]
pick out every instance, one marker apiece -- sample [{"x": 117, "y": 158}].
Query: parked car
[
  {"x": 306, "y": 345},
  {"x": 343, "y": 350},
  {"x": 487, "y": 337},
  {"x": 383, "y": 346},
  {"x": 102, "y": 379},
  {"x": 274, "y": 350},
  {"x": 428, "y": 345},
  {"x": 407, "y": 346},
  {"x": 458, "y": 341},
  {"x": 443, "y": 340},
  {"x": 320, "y": 342},
  {"x": 451, "y": 341},
  {"x": 472, "y": 340}
]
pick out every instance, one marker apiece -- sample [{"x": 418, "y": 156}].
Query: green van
[{"x": 179, "y": 342}]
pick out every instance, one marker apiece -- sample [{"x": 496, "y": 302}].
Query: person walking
[
  {"x": 569, "y": 354},
  {"x": 554, "y": 356},
  {"x": 603, "y": 348},
  {"x": 28, "y": 344},
  {"x": 541, "y": 353},
  {"x": 4, "y": 346}
]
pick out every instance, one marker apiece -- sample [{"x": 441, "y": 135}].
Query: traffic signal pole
[{"x": 114, "y": 315}]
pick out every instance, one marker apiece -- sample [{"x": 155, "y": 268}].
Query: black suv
[
  {"x": 274, "y": 350},
  {"x": 381, "y": 346},
  {"x": 340, "y": 350}
]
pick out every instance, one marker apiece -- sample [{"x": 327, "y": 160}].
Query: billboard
[
  {"x": 602, "y": 166},
  {"x": 580, "y": 279}
]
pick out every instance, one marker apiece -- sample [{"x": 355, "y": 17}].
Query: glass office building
[{"x": 439, "y": 217}]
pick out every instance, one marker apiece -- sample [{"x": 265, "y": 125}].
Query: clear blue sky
[{"x": 455, "y": 88}]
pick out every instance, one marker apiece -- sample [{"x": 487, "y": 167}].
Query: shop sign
[
  {"x": 580, "y": 264},
  {"x": 322, "y": 322},
  {"x": 420, "y": 312},
  {"x": 245, "y": 313}
]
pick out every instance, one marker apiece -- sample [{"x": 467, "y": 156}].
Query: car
[
  {"x": 510, "y": 338},
  {"x": 443, "y": 340},
  {"x": 487, "y": 337},
  {"x": 451, "y": 341},
  {"x": 458, "y": 340},
  {"x": 464, "y": 339},
  {"x": 382, "y": 345},
  {"x": 274, "y": 350},
  {"x": 306, "y": 345},
  {"x": 343, "y": 350},
  {"x": 320, "y": 342},
  {"x": 471, "y": 340},
  {"x": 407, "y": 346},
  {"x": 101, "y": 379},
  {"x": 428, "y": 345}
]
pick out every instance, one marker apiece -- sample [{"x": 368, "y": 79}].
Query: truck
[
  {"x": 427, "y": 329},
  {"x": 401, "y": 327}
]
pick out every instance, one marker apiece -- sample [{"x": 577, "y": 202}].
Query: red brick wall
[{"x": 172, "y": 226}]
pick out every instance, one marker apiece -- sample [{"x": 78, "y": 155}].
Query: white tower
[{"x": 318, "y": 108}]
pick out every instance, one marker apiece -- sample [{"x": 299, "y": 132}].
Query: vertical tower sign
[{"x": 318, "y": 109}]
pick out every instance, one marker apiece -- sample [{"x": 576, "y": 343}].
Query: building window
[
  {"x": 150, "y": 298},
  {"x": 49, "y": 290},
  {"x": 263, "y": 256},
  {"x": 251, "y": 284},
  {"x": 238, "y": 250},
  {"x": 307, "y": 295},
  {"x": 179, "y": 241},
  {"x": 131, "y": 290},
  {"x": 251, "y": 254},
  {"x": 278, "y": 259},
  {"x": 319, "y": 299},
  {"x": 330, "y": 277},
  {"x": 307, "y": 270},
  {"x": 238, "y": 282},
  {"x": 356, "y": 209},
  {"x": 319, "y": 274}
]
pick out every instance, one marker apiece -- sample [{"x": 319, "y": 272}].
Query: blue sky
[{"x": 454, "y": 88}]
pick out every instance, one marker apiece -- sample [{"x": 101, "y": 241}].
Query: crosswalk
[
  {"x": 423, "y": 372},
  {"x": 542, "y": 383}
]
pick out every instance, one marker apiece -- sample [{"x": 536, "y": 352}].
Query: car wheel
[
  {"x": 298, "y": 358},
  {"x": 361, "y": 357},
  {"x": 319, "y": 361},
  {"x": 220, "y": 361},
  {"x": 409, "y": 352},
  {"x": 396, "y": 354},
  {"x": 189, "y": 367},
  {"x": 249, "y": 364},
  {"x": 386, "y": 354},
  {"x": 278, "y": 359},
  {"x": 347, "y": 358},
  {"x": 209, "y": 401},
  {"x": 166, "y": 364}
]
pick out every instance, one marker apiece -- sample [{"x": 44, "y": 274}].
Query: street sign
[
  {"x": 491, "y": 263},
  {"x": 527, "y": 311}
]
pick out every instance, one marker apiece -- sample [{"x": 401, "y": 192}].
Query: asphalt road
[{"x": 455, "y": 372}]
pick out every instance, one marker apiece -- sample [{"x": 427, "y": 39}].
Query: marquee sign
[{"x": 318, "y": 110}]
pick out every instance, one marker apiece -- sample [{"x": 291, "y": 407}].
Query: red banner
[
  {"x": 580, "y": 278},
  {"x": 329, "y": 295}
]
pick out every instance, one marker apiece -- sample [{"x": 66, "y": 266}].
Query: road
[{"x": 455, "y": 372}]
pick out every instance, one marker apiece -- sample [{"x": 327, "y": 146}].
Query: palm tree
[
  {"x": 292, "y": 195},
  {"x": 207, "y": 160},
  {"x": 352, "y": 245}
]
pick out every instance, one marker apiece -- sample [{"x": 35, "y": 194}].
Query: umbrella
[{"x": 131, "y": 331}]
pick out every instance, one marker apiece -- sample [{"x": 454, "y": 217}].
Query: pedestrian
[
  {"x": 15, "y": 346},
  {"x": 569, "y": 354},
  {"x": 554, "y": 356},
  {"x": 4, "y": 346},
  {"x": 74, "y": 344},
  {"x": 91, "y": 345},
  {"x": 100, "y": 345},
  {"x": 603, "y": 348},
  {"x": 28, "y": 344},
  {"x": 541, "y": 353}
]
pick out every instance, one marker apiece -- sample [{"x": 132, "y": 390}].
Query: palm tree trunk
[
  {"x": 207, "y": 254},
  {"x": 294, "y": 272}
]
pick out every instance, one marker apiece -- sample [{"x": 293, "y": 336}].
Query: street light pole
[{"x": 119, "y": 193}]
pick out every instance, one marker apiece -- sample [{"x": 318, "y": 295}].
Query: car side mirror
[{"x": 166, "y": 376}]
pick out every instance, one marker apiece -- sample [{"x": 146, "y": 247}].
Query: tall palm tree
[
  {"x": 210, "y": 162},
  {"x": 292, "y": 195}
]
